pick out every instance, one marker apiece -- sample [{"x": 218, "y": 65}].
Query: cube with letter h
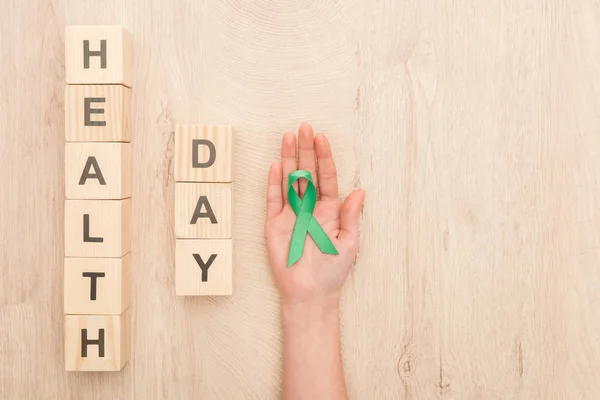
[
  {"x": 203, "y": 210},
  {"x": 98, "y": 197},
  {"x": 98, "y": 54},
  {"x": 96, "y": 342}
]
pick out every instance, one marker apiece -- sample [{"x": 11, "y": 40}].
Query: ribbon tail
[
  {"x": 293, "y": 256},
  {"x": 320, "y": 238},
  {"x": 298, "y": 238}
]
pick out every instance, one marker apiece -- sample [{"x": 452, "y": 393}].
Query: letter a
[
  {"x": 91, "y": 162},
  {"x": 203, "y": 201}
]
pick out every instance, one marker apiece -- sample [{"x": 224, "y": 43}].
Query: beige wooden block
[
  {"x": 97, "y": 113},
  {"x": 98, "y": 54},
  {"x": 97, "y": 228},
  {"x": 203, "y": 210},
  {"x": 97, "y": 285},
  {"x": 98, "y": 170},
  {"x": 97, "y": 342},
  {"x": 203, "y": 267},
  {"x": 203, "y": 153}
]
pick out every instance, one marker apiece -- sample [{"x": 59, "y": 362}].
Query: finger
[
  {"x": 288, "y": 161},
  {"x": 328, "y": 184},
  {"x": 350, "y": 215},
  {"x": 306, "y": 155},
  {"x": 274, "y": 193}
]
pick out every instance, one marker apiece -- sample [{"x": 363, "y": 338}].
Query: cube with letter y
[
  {"x": 203, "y": 267},
  {"x": 98, "y": 54}
]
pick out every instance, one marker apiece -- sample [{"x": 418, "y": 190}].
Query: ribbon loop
[{"x": 305, "y": 221}]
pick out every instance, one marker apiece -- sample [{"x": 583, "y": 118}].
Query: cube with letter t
[{"x": 98, "y": 286}]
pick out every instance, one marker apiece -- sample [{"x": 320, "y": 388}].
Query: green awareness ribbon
[{"x": 305, "y": 221}]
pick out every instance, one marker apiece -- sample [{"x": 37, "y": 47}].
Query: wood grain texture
[
  {"x": 107, "y": 342},
  {"x": 109, "y": 57},
  {"x": 111, "y": 105},
  {"x": 472, "y": 125},
  {"x": 104, "y": 167},
  {"x": 209, "y": 160},
  {"x": 216, "y": 257},
  {"x": 108, "y": 294},
  {"x": 203, "y": 210}
]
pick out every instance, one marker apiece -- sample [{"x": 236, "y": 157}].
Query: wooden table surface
[{"x": 473, "y": 126}]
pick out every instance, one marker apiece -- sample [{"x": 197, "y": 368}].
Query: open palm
[{"x": 315, "y": 274}]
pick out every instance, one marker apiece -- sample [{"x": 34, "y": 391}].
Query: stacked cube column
[
  {"x": 203, "y": 210},
  {"x": 97, "y": 263}
]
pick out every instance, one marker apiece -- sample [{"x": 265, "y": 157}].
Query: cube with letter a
[
  {"x": 98, "y": 171},
  {"x": 203, "y": 210}
]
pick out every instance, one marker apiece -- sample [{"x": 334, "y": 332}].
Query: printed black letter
[
  {"x": 211, "y": 158},
  {"x": 88, "y": 111},
  {"x": 199, "y": 214},
  {"x": 91, "y": 162},
  {"x": 85, "y": 343},
  {"x": 204, "y": 267},
  {"x": 87, "y": 54},
  {"x": 93, "y": 276},
  {"x": 86, "y": 231}
]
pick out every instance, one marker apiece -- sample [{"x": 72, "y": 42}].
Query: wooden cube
[
  {"x": 97, "y": 342},
  {"x": 97, "y": 228},
  {"x": 98, "y": 170},
  {"x": 97, "y": 113},
  {"x": 203, "y": 210},
  {"x": 97, "y": 285},
  {"x": 203, "y": 267},
  {"x": 98, "y": 54},
  {"x": 203, "y": 153}
]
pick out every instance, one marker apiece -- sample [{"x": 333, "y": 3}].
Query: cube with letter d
[{"x": 203, "y": 153}]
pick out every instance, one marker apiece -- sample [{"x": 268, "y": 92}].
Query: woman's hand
[{"x": 316, "y": 276}]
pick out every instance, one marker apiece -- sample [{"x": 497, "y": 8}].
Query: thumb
[{"x": 350, "y": 215}]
